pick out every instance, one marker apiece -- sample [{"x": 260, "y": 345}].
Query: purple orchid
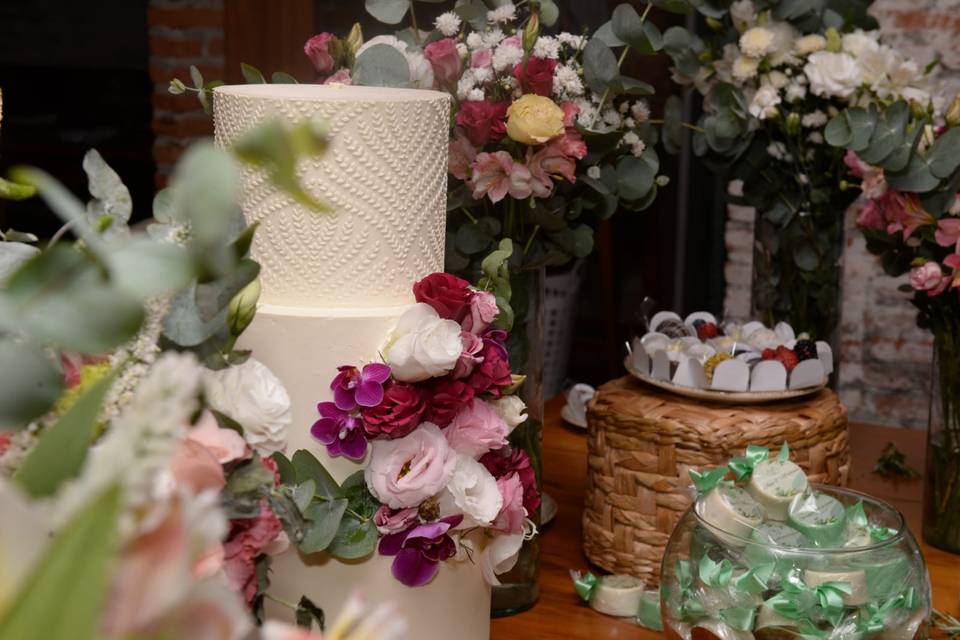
[
  {"x": 341, "y": 432},
  {"x": 354, "y": 387},
  {"x": 419, "y": 549}
]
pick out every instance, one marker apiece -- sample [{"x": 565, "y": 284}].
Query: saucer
[{"x": 571, "y": 418}]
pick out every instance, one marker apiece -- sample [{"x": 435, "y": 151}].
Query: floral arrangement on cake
[
  {"x": 441, "y": 482},
  {"x": 772, "y": 75}
]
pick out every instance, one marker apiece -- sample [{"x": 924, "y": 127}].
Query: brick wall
[
  {"x": 885, "y": 358},
  {"x": 182, "y": 33}
]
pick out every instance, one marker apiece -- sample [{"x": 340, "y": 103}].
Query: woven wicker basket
[{"x": 643, "y": 441}]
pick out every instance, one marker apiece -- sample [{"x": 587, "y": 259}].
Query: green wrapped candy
[
  {"x": 820, "y": 517},
  {"x": 774, "y": 484},
  {"x": 774, "y": 534},
  {"x": 733, "y": 510}
]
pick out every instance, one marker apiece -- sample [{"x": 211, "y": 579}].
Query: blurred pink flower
[
  {"x": 953, "y": 261},
  {"x": 195, "y": 466},
  {"x": 497, "y": 174},
  {"x": 469, "y": 357},
  {"x": 477, "y": 429},
  {"x": 226, "y": 445},
  {"x": 481, "y": 58},
  {"x": 928, "y": 277},
  {"x": 570, "y": 112},
  {"x": 948, "y": 232},
  {"x": 462, "y": 155},
  {"x": 512, "y": 514},
  {"x": 483, "y": 311},
  {"x": 445, "y": 60},
  {"x": 906, "y": 213},
  {"x": 871, "y": 216},
  {"x": 549, "y": 163},
  {"x": 389, "y": 520},
  {"x": 322, "y": 51},
  {"x": 340, "y": 77},
  {"x": 248, "y": 538}
]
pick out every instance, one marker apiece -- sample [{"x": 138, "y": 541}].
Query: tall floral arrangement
[{"x": 772, "y": 74}]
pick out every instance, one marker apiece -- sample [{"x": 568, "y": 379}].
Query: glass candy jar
[{"x": 870, "y": 582}]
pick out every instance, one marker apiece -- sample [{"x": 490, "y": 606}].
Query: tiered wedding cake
[{"x": 333, "y": 287}]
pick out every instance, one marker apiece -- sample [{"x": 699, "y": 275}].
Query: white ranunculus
[
  {"x": 253, "y": 396},
  {"x": 859, "y": 42},
  {"x": 757, "y": 42},
  {"x": 744, "y": 68},
  {"x": 512, "y": 409},
  {"x": 833, "y": 74},
  {"x": 809, "y": 44},
  {"x": 423, "y": 345},
  {"x": 473, "y": 492},
  {"x": 764, "y": 102},
  {"x": 743, "y": 14}
]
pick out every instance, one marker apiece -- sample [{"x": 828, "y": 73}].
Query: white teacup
[{"x": 577, "y": 398}]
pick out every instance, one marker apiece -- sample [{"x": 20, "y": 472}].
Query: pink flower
[
  {"x": 906, "y": 213},
  {"x": 195, "y": 466},
  {"x": 871, "y": 216},
  {"x": 497, "y": 174},
  {"x": 481, "y": 58},
  {"x": 483, "y": 121},
  {"x": 340, "y": 77},
  {"x": 469, "y": 357},
  {"x": 483, "y": 311},
  {"x": 928, "y": 277},
  {"x": 953, "y": 261},
  {"x": 449, "y": 397},
  {"x": 948, "y": 232},
  {"x": 535, "y": 75},
  {"x": 248, "y": 538},
  {"x": 493, "y": 372},
  {"x": 857, "y": 166},
  {"x": 477, "y": 429},
  {"x": 549, "y": 163},
  {"x": 503, "y": 462},
  {"x": 323, "y": 50},
  {"x": 462, "y": 155},
  {"x": 512, "y": 41},
  {"x": 571, "y": 144},
  {"x": 512, "y": 514},
  {"x": 406, "y": 471},
  {"x": 570, "y": 112},
  {"x": 445, "y": 60},
  {"x": 398, "y": 414},
  {"x": 226, "y": 445},
  {"x": 390, "y": 520},
  {"x": 352, "y": 387}
]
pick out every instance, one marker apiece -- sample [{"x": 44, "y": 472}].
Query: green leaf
[
  {"x": 917, "y": 176},
  {"x": 635, "y": 175},
  {"x": 888, "y": 134},
  {"x": 16, "y": 191},
  {"x": 111, "y": 197},
  {"x": 205, "y": 186},
  {"x": 196, "y": 77},
  {"x": 251, "y": 74},
  {"x": 381, "y": 66},
  {"x": 59, "y": 453},
  {"x": 71, "y": 579},
  {"x": 249, "y": 478},
  {"x": 606, "y": 35},
  {"x": 852, "y": 128},
  {"x": 324, "y": 519},
  {"x": 944, "y": 155},
  {"x": 632, "y": 86},
  {"x": 599, "y": 66},
  {"x": 13, "y": 255},
  {"x": 354, "y": 539},
  {"x": 309, "y": 468},
  {"x": 549, "y": 13},
  {"x": 388, "y": 11},
  {"x": 144, "y": 268},
  {"x": 805, "y": 257},
  {"x": 282, "y": 77},
  {"x": 29, "y": 383},
  {"x": 303, "y": 494},
  {"x": 792, "y": 9},
  {"x": 673, "y": 132},
  {"x": 682, "y": 47},
  {"x": 307, "y": 613},
  {"x": 631, "y": 29},
  {"x": 355, "y": 490},
  {"x": 473, "y": 238},
  {"x": 288, "y": 473},
  {"x": 682, "y": 7}
]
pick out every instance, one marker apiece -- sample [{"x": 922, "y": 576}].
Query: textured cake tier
[
  {"x": 384, "y": 176},
  {"x": 303, "y": 347}
]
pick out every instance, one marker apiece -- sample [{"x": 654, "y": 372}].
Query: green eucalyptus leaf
[
  {"x": 354, "y": 539},
  {"x": 600, "y": 67},
  {"x": 308, "y": 613},
  {"x": 549, "y": 13},
  {"x": 682, "y": 47},
  {"x": 144, "y": 268},
  {"x": 607, "y": 36},
  {"x": 888, "y": 134},
  {"x": 303, "y": 494},
  {"x": 111, "y": 197},
  {"x": 282, "y": 77},
  {"x": 900, "y": 158},
  {"x": 388, "y": 11},
  {"x": 249, "y": 477},
  {"x": 324, "y": 519},
  {"x": 381, "y": 66},
  {"x": 472, "y": 238},
  {"x": 309, "y": 468},
  {"x": 355, "y": 490},
  {"x": 16, "y": 191},
  {"x": 682, "y": 7},
  {"x": 251, "y": 74},
  {"x": 14, "y": 255},
  {"x": 288, "y": 473},
  {"x": 805, "y": 257},
  {"x": 917, "y": 176},
  {"x": 632, "y": 86},
  {"x": 635, "y": 175},
  {"x": 29, "y": 383},
  {"x": 944, "y": 155},
  {"x": 673, "y": 133},
  {"x": 636, "y": 32}
]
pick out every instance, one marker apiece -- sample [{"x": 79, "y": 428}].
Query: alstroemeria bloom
[
  {"x": 906, "y": 214},
  {"x": 953, "y": 261},
  {"x": 354, "y": 387},
  {"x": 419, "y": 550},
  {"x": 948, "y": 232},
  {"x": 341, "y": 432},
  {"x": 497, "y": 174}
]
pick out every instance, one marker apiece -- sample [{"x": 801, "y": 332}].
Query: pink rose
[
  {"x": 477, "y": 429},
  {"x": 928, "y": 277},
  {"x": 449, "y": 397},
  {"x": 483, "y": 311},
  {"x": 406, "y": 471},
  {"x": 397, "y": 414},
  {"x": 340, "y": 77},
  {"x": 536, "y": 75},
  {"x": 323, "y": 50},
  {"x": 493, "y": 372},
  {"x": 483, "y": 121},
  {"x": 445, "y": 60},
  {"x": 248, "y": 538},
  {"x": 194, "y": 466},
  {"x": 548, "y": 163},
  {"x": 948, "y": 232},
  {"x": 512, "y": 514},
  {"x": 481, "y": 58},
  {"x": 390, "y": 520},
  {"x": 497, "y": 174},
  {"x": 469, "y": 356},
  {"x": 226, "y": 445},
  {"x": 462, "y": 155}
]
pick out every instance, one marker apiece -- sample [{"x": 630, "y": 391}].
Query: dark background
[{"x": 76, "y": 75}]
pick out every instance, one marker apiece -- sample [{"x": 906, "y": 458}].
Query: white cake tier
[
  {"x": 303, "y": 348},
  {"x": 384, "y": 176}
]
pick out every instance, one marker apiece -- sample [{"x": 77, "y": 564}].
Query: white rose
[
  {"x": 757, "y": 42},
  {"x": 423, "y": 345},
  {"x": 809, "y": 44},
  {"x": 512, "y": 409},
  {"x": 859, "y": 42},
  {"x": 743, "y": 14},
  {"x": 473, "y": 492},
  {"x": 253, "y": 396},
  {"x": 833, "y": 74},
  {"x": 764, "y": 102},
  {"x": 744, "y": 68}
]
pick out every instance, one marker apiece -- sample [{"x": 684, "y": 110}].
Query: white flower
[
  {"x": 423, "y": 345},
  {"x": 640, "y": 111},
  {"x": 814, "y": 119},
  {"x": 499, "y": 555},
  {"x": 757, "y": 42},
  {"x": 571, "y": 40},
  {"x": 744, "y": 68},
  {"x": 448, "y": 24},
  {"x": 764, "y": 102},
  {"x": 473, "y": 492},
  {"x": 859, "y": 42},
  {"x": 505, "y": 13},
  {"x": 465, "y": 84},
  {"x": 803, "y": 179},
  {"x": 777, "y": 79},
  {"x": 511, "y": 408},
  {"x": 476, "y": 95},
  {"x": 475, "y": 40},
  {"x": 784, "y": 35},
  {"x": 253, "y": 396},
  {"x": 462, "y": 50},
  {"x": 492, "y": 38},
  {"x": 547, "y": 47},
  {"x": 815, "y": 137},
  {"x": 567, "y": 82},
  {"x": 594, "y": 172},
  {"x": 743, "y": 14},
  {"x": 796, "y": 91},
  {"x": 809, "y": 44},
  {"x": 630, "y": 138},
  {"x": 507, "y": 56},
  {"x": 612, "y": 118},
  {"x": 638, "y": 148},
  {"x": 481, "y": 75},
  {"x": 629, "y": 122},
  {"x": 777, "y": 150},
  {"x": 833, "y": 74}
]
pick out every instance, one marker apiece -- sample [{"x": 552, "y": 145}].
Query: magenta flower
[
  {"x": 419, "y": 549},
  {"x": 341, "y": 432},
  {"x": 353, "y": 387}
]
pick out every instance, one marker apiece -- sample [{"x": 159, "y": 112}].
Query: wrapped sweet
[{"x": 765, "y": 554}]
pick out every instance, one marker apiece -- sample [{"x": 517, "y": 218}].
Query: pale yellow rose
[{"x": 534, "y": 119}]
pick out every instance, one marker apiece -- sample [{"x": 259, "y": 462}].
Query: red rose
[
  {"x": 445, "y": 61},
  {"x": 504, "y": 462},
  {"x": 449, "y": 398},
  {"x": 493, "y": 372},
  {"x": 536, "y": 75},
  {"x": 397, "y": 415},
  {"x": 483, "y": 121},
  {"x": 447, "y": 294}
]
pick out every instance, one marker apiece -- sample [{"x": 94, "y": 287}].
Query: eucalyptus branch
[
  {"x": 281, "y": 602},
  {"x": 533, "y": 235},
  {"x": 685, "y": 125},
  {"x": 623, "y": 56}
]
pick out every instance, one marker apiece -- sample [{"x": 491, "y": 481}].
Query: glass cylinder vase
[{"x": 941, "y": 504}]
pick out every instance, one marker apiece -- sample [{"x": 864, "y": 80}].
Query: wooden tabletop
[{"x": 561, "y": 615}]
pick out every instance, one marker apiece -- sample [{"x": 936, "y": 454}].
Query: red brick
[
  {"x": 160, "y": 180},
  {"x": 214, "y": 47},
  {"x": 164, "y": 73},
  {"x": 183, "y": 127},
  {"x": 167, "y": 154},
  {"x": 183, "y": 103},
  {"x": 188, "y": 48},
  {"x": 185, "y": 17}
]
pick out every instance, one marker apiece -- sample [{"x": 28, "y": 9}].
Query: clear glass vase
[
  {"x": 941, "y": 510},
  {"x": 878, "y": 590}
]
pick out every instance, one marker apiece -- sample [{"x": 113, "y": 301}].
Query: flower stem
[
  {"x": 533, "y": 235},
  {"x": 413, "y": 24},
  {"x": 467, "y": 213},
  {"x": 686, "y": 125},
  {"x": 281, "y": 601}
]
